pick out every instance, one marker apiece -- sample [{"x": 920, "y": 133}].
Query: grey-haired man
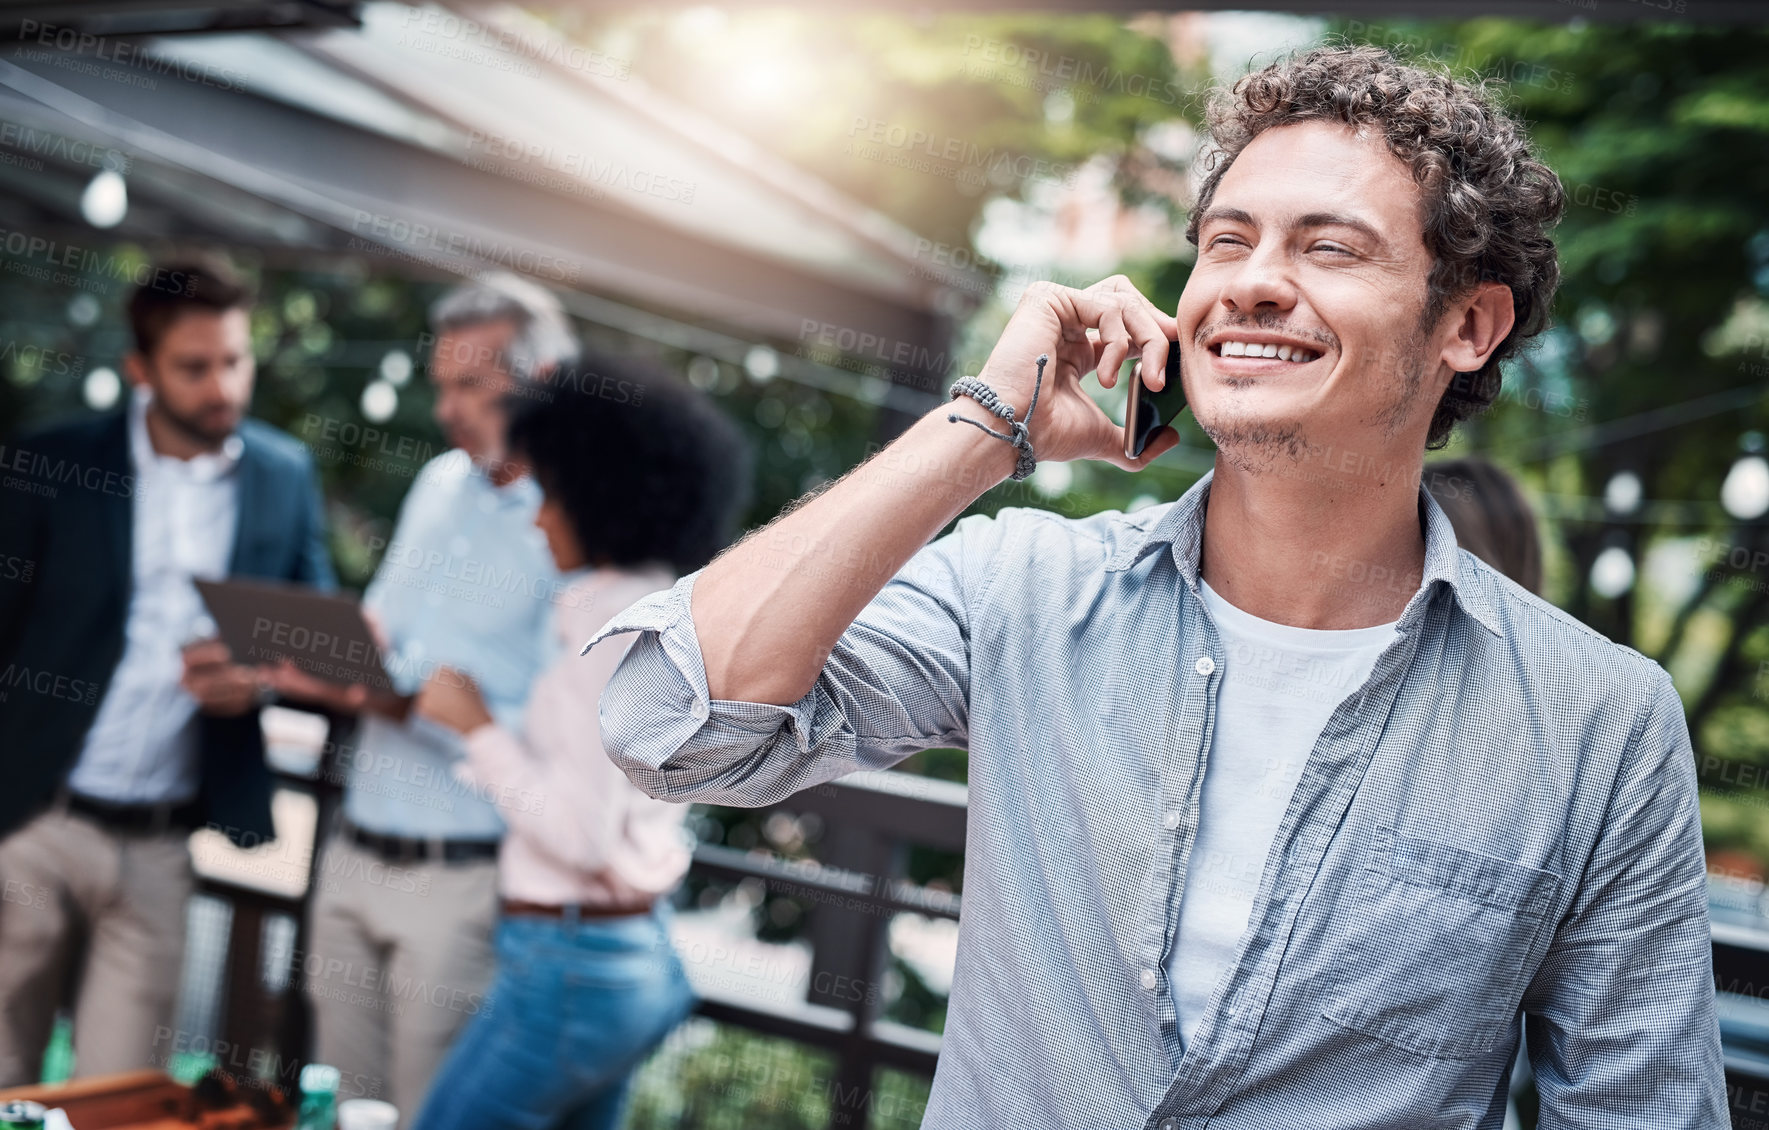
[{"x": 406, "y": 900}]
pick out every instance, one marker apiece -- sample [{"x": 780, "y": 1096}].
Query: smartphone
[{"x": 1147, "y": 412}]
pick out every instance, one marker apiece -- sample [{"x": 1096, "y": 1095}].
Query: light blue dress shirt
[
  {"x": 1500, "y": 819},
  {"x": 142, "y": 745},
  {"x": 466, "y": 582}
]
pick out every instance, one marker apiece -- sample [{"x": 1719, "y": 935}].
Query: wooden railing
[{"x": 870, "y": 821}]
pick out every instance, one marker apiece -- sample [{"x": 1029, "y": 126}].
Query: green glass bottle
[
  {"x": 319, "y": 1097},
  {"x": 22, "y": 1115}
]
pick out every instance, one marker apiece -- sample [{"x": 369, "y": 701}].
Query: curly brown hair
[{"x": 1487, "y": 201}]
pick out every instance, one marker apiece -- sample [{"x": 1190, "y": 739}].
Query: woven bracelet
[{"x": 1016, "y": 433}]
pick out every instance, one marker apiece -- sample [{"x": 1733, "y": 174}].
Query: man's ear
[
  {"x": 135, "y": 368},
  {"x": 1484, "y": 320}
]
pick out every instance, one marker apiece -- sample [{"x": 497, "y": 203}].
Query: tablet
[{"x": 323, "y": 634}]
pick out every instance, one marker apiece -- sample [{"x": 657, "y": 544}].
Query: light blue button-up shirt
[
  {"x": 1500, "y": 820},
  {"x": 466, "y": 582},
  {"x": 142, "y": 745}
]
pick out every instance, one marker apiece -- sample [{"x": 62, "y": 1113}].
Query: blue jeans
[{"x": 576, "y": 1007}]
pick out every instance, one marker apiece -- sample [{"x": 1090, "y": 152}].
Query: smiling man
[{"x": 1283, "y": 810}]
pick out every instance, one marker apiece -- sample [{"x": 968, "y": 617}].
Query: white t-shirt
[{"x": 1279, "y": 686}]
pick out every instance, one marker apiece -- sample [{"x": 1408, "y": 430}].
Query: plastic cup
[{"x": 367, "y": 1114}]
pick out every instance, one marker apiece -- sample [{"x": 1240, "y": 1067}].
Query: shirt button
[
  {"x": 1148, "y": 979},
  {"x": 1169, "y": 1124},
  {"x": 1170, "y": 821},
  {"x": 1204, "y": 665}
]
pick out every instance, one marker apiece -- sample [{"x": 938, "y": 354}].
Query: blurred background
[{"x": 821, "y": 218}]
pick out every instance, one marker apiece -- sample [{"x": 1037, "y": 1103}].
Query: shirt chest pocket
[{"x": 1436, "y": 944}]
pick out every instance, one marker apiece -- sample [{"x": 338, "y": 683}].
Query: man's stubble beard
[
  {"x": 193, "y": 429},
  {"x": 1257, "y": 446}
]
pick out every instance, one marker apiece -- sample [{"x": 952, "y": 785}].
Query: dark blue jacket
[{"x": 66, "y": 572}]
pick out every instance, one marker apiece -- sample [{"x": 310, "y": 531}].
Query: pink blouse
[{"x": 577, "y": 830}]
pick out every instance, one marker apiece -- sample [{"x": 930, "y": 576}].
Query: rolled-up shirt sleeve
[{"x": 897, "y": 682}]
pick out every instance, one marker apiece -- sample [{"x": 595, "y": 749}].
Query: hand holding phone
[
  {"x": 1079, "y": 332},
  {"x": 1148, "y": 411}
]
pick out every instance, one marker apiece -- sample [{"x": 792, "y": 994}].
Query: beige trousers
[
  {"x": 400, "y": 958},
  {"x": 103, "y": 909}
]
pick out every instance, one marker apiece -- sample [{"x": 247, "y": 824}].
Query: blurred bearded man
[{"x": 123, "y": 727}]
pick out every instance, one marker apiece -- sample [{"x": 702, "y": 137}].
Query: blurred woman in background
[
  {"x": 643, "y": 480},
  {"x": 1493, "y": 520}
]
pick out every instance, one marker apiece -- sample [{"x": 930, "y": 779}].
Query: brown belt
[{"x": 544, "y": 910}]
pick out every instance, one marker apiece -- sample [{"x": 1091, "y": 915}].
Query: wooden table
[{"x": 133, "y": 1100}]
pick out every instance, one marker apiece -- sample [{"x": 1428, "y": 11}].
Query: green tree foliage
[{"x": 922, "y": 118}]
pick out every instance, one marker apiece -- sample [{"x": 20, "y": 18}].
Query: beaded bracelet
[{"x": 1016, "y": 433}]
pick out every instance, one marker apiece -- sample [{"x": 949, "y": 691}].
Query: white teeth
[{"x": 1281, "y": 352}]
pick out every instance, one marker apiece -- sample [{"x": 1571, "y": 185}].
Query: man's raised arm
[{"x": 836, "y": 638}]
